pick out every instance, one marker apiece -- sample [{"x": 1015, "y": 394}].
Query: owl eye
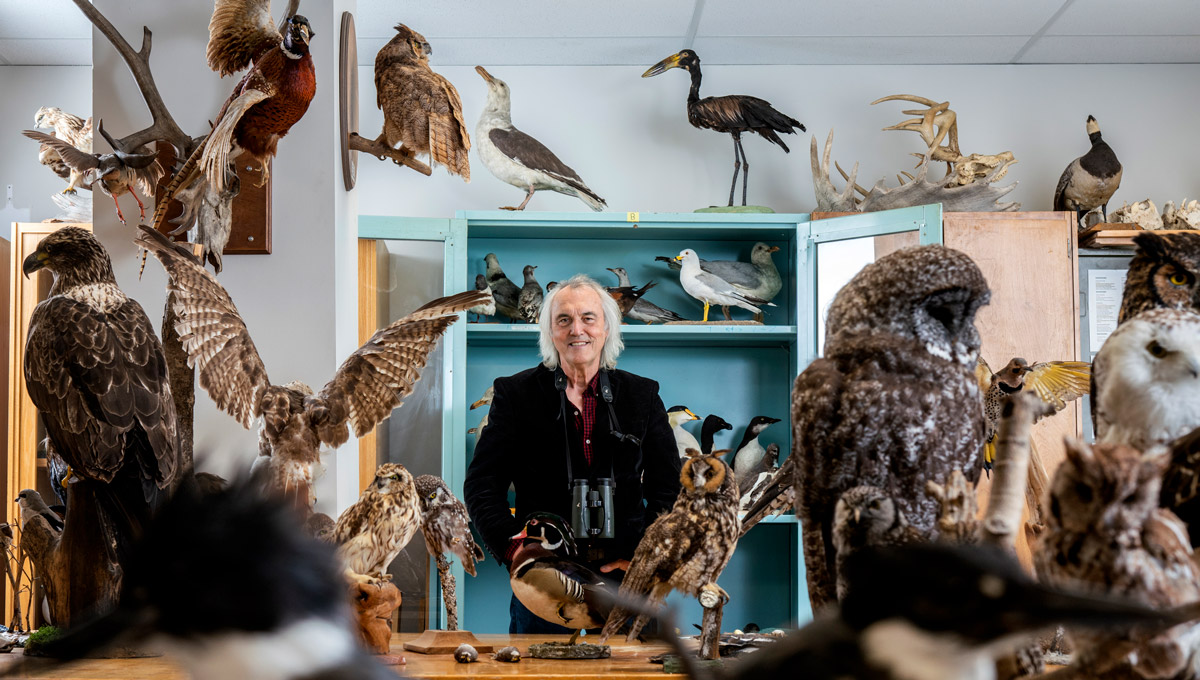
[
  {"x": 433, "y": 495},
  {"x": 874, "y": 505},
  {"x": 1180, "y": 279},
  {"x": 396, "y": 476},
  {"x": 1156, "y": 349}
]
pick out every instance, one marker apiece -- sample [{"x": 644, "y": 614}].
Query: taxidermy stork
[{"x": 735, "y": 114}]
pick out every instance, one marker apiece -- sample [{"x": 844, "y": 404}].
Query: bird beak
[
  {"x": 857, "y": 515},
  {"x": 693, "y": 415},
  {"x": 772, "y": 420},
  {"x": 662, "y": 66},
  {"x": 773, "y": 249},
  {"x": 678, "y": 258},
  {"x": 477, "y": 404},
  {"x": 36, "y": 260},
  {"x": 427, "y": 48},
  {"x": 1192, "y": 365},
  {"x": 524, "y": 534},
  {"x": 486, "y": 76}
]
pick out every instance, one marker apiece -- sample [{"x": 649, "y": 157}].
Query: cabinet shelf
[{"x": 508, "y": 335}]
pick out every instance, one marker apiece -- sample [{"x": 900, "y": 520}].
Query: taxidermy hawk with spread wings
[
  {"x": 421, "y": 109},
  {"x": 272, "y": 96},
  {"x": 96, "y": 373},
  {"x": 70, "y": 129},
  {"x": 296, "y": 422}
]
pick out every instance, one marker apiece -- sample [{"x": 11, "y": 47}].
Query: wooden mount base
[{"x": 445, "y": 642}]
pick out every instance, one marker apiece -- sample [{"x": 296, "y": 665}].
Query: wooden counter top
[{"x": 629, "y": 661}]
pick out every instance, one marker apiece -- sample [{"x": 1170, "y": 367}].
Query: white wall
[
  {"x": 300, "y": 302},
  {"x": 630, "y": 141},
  {"x": 28, "y": 88}
]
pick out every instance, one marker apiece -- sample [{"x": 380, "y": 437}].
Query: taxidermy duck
[
  {"x": 1090, "y": 180},
  {"x": 748, "y": 453},
  {"x": 684, "y": 440},
  {"x": 551, "y": 584},
  {"x": 759, "y": 278},
  {"x": 735, "y": 114},
  {"x": 518, "y": 159}
]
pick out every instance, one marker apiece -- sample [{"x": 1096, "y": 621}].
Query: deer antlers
[{"x": 935, "y": 124}]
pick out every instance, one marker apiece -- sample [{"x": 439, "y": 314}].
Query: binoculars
[{"x": 592, "y": 508}]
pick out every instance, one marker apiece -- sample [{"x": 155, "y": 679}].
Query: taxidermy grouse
[
  {"x": 271, "y": 98},
  {"x": 1090, "y": 180},
  {"x": 368, "y": 385},
  {"x": 518, "y": 159},
  {"x": 918, "y": 631},
  {"x": 421, "y": 109},
  {"x": 237, "y": 589},
  {"x": 95, "y": 371}
]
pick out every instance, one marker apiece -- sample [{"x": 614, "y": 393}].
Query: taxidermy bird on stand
[
  {"x": 711, "y": 289},
  {"x": 758, "y": 278},
  {"x": 447, "y": 530},
  {"x": 1090, "y": 180},
  {"x": 271, "y": 98},
  {"x": 368, "y": 385},
  {"x": 684, "y": 440},
  {"x": 96, "y": 373},
  {"x": 67, "y": 128},
  {"x": 518, "y": 159},
  {"x": 735, "y": 114},
  {"x": 373, "y": 531},
  {"x": 421, "y": 109}
]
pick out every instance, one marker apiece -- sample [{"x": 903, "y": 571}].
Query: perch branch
[
  {"x": 164, "y": 127},
  {"x": 1003, "y": 519},
  {"x": 383, "y": 152},
  {"x": 449, "y": 592}
]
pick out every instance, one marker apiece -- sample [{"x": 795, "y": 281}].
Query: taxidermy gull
[{"x": 710, "y": 288}]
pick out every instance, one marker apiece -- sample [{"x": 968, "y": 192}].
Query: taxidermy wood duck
[
  {"x": 1090, "y": 180},
  {"x": 551, "y": 584},
  {"x": 735, "y": 114}
]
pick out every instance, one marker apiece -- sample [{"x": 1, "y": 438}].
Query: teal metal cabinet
[{"x": 735, "y": 371}]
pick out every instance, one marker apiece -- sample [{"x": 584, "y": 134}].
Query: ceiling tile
[
  {"x": 874, "y": 17},
  {"x": 525, "y": 18},
  {"x": 1121, "y": 17},
  {"x": 536, "y": 51},
  {"x": 77, "y": 52},
  {"x": 1114, "y": 50},
  {"x": 858, "y": 50},
  {"x": 43, "y": 19}
]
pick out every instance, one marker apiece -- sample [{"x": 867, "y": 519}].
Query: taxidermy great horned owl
[
  {"x": 893, "y": 403},
  {"x": 421, "y": 109},
  {"x": 373, "y": 531},
  {"x": 1163, "y": 273},
  {"x": 687, "y": 548},
  {"x": 1106, "y": 534},
  {"x": 445, "y": 523}
]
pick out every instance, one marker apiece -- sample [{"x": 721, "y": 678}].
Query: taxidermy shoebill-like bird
[
  {"x": 518, "y": 159},
  {"x": 271, "y": 98},
  {"x": 421, "y": 109},
  {"x": 1090, "y": 180},
  {"x": 368, "y": 385},
  {"x": 96, "y": 373},
  {"x": 118, "y": 172},
  {"x": 735, "y": 114}
]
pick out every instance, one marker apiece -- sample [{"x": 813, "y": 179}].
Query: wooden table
[{"x": 629, "y": 661}]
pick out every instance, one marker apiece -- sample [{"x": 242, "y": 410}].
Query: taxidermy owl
[
  {"x": 893, "y": 403},
  {"x": 1146, "y": 380},
  {"x": 1163, "y": 273},
  {"x": 1057, "y": 383},
  {"x": 1105, "y": 534},
  {"x": 368, "y": 385},
  {"x": 421, "y": 109},
  {"x": 866, "y": 517},
  {"x": 687, "y": 548},
  {"x": 445, "y": 523},
  {"x": 373, "y": 531},
  {"x": 71, "y": 130}
]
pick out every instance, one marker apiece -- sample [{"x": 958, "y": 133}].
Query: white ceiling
[{"x": 629, "y": 32}]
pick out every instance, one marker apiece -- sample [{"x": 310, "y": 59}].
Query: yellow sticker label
[{"x": 632, "y": 216}]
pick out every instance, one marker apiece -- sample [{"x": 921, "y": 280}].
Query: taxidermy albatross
[
  {"x": 734, "y": 113},
  {"x": 518, "y": 159}
]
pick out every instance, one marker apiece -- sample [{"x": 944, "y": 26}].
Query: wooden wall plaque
[{"x": 250, "y": 233}]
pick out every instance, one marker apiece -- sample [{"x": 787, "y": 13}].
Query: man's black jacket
[{"x": 523, "y": 444}]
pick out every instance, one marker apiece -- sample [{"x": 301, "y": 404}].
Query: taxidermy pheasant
[
  {"x": 69, "y": 128},
  {"x": 272, "y": 96},
  {"x": 296, "y": 422},
  {"x": 421, "y": 109},
  {"x": 117, "y": 172}
]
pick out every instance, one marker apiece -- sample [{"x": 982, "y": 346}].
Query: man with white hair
[{"x": 573, "y": 420}]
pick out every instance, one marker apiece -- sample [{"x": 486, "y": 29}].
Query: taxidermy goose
[
  {"x": 518, "y": 159},
  {"x": 551, "y": 584},
  {"x": 677, "y": 416},
  {"x": 750, "y": 451},
  {"x": 1090, "y": 180}
]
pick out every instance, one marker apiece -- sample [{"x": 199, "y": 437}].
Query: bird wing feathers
[
  {"x": 212, "y": 332},
  {"x": 100, "y": 381},
  {"x": 531, "y": 153},
  {"x": 219, "y": 144},
  {"x": 239, "y": 31},
  {"x": 377, "y": 376},
  {"x": 1063, "y": 181},
  {"x": 1059, "y": 382},
  {"x": 448, "y": 137},
  {"x": 79, "y": 161},
  {"x": 422, "y": 110},
  {"x": 720, "y": 286}
]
